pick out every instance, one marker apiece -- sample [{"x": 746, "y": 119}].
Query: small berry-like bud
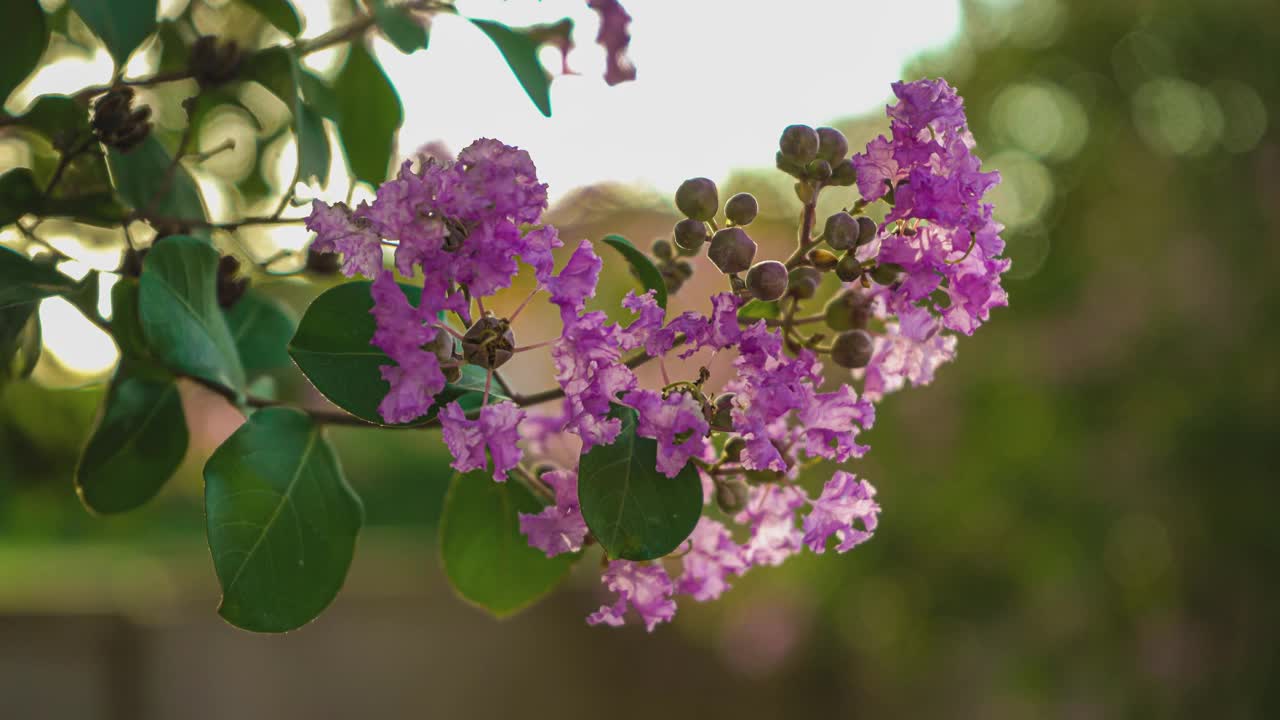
[
  {"x": 662, "y": 249},
  {"x": 849, "y": 268},
  {"x": 787, "y": 165},
  {"x": 799, "y": 143},
  {"x": 832, "y": 145},
  {"x": 731, "y": 494},
  {"x": 767, "y": 280},
  {"x": 741, "y": 209},
  {"x": 684, "y": 269},
  {"x": 841, "y": 231},
  {"x": 866, "y": 230},
  {"x": 824, "y": 260},
  {"x": 690, "y": 234},
  {"x": 489, "y": 342},
  {"x": 803, "y": 282},
  {"x": 852, "y": 349},
  {"x": 323, "y": 263},
  {"x": 850, "y": 310},
  {"x": 818, "y": 170},
  {"x": 442, "y": 346},
  {"x": 698, "y": 199},
  {"x": 732, "y": 250},
  {"x": 722, "y": 417},
  {"x": 843, "y": 173},
  {"x": 886, "y": 273}
]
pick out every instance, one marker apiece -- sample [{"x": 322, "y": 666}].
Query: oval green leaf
[
  {"x": 642, "y": 265},
  {"x": 281, "y": 519},
  {"x": 138, "y": 443},
  {"x": 261, "y": 328},
  {"x": 401, "y": 28},
  {"x": 369, "y": 113},
  {"x": 279, "y": 13},
  {"x": 178, "y": 306},
  {"x": 23, "y": 281},
  {"x": 23, "y": 48},
  {"x": 122, "y": 25},
  {"x": 487, "y": 559},
  {"x": 760, "y": 310},
  {"x": 521, "y": 54},
  {"x": 636, "y": 512},
  {"x": 140, "y": 178}
]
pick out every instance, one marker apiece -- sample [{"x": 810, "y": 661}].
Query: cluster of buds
[
  {"x": 116, "y": 123},
  {"x": 213, "y": 62}
]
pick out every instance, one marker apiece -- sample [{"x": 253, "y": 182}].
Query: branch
[
  {"x": 83, "y": 95},
  {"x": 202, "y": 223}
]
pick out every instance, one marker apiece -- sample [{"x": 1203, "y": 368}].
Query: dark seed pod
[
  {"x": 662, "y": 250},
  {"x": 690, "y": 234},
  {"x": 799, "y": 143},
  {"x": 866, "y": 230},
  {"x": 116, "y": 124},
  {"x": 849, "y": 268},
  {"x": 832, "y": 145},
  {"x": 849, "y": 310},
  {"x": 852, "y": 349},
  {"x": 803, "y": 282},
  {"x": 732, "y": 250},
  {"x": 824, "y": 260},
  {"x": 886, "y": 273},
  {"x": 488, "y": 343},
  {"x": 767, "y": 280},
  {"x": 742, "y": 209},
  {"x": 841, "y": 231},
  {"x": 843, "y": 173},
  {"x": 214, "y": 63},
  {"x": 698, "y": 198},
  {"x": 323, "y": 263},
  {"x": 731, "y": 494}
]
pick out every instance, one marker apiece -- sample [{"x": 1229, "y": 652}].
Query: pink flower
[
  {"x": 559, "y": 528},
  {"x": 845, "y": 501},
  {"x": 712, "y": 559},
  {"x": 645, "y": 588},
  {"x": 494, "y": 430},
  {"x": 675, "y": 421},
  {"x": 615, "y": 38}
]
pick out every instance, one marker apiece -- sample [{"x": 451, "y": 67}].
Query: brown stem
[
  {"x": 202, "y": 223},
  {"x": 157, "y": 79},
  {"x": 804, "y": 242}
]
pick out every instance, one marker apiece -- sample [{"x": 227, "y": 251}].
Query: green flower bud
[
  {"x": 489, "y": 342},
  {"x": 849, "y": 310},
  {"x": 787, "y": 165},
  {"x": 866, "y": 230},
  {"x": 741, "y": 209},
  {"x": 852, "y": 349},
  {"x": 731, "y": 494},
  {"x": 698, "y": 199},
  {"x": 799, "y": 143},
  {"x": 832, "y": 145},
  {"x": 843, "y": 173},
  {"x": 818, "y": 170},
  {"x": 732, "y": 250},
  {"x": 733, "y": 449},
  {"x": 690, "y": 234},
  {"x": 767, "y": 280},
  {"x": 803, "y": 282},
  {"x": 849, "y": 268},
  {"x": 886, "y": 273},
  {"x": 841, "y": 231},
  {"x": 662, "y": 249},
  {"x": 723, "y": 417},
  {"x": 824, "y": 260}
]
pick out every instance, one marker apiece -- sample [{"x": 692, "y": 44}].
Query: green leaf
[
  {"x": 28, "y": 37},
  {"x": 369, "y": 114},
  {"x": 23, "y": 281},
  {"x": 405, "y": 32},
  {"x": 643, "y": 267},
  {"x": 174, "y": 51},
  {"x": 521, "y": 54},
  {"x": 138, "y": 443},
  {"x": 279, "y": 13},
  {"x": 20, "y": 341},
  {"x": 54, "y": 115},
  {"x": 18, "y": 195},
  {"x": 136, "y": 357},
  {"x": 313, "y": 144},
  {"x": 332, "y": 349},
  {"x": 760, "y": 310},
  {"x": 181, "y": 319},
  {"x": 141, "y": 175},
  {"x": 278, "y": 71},
  {"x": 273, "y": 69},
  {"x": 636, "y": 512},
  {"x": 122, "y": 25},
  {"x": 318, "y": 94},
  {"x": 485, "y": 556},
  {"x": 281, "y": 519},
  {"x": 261, "y": 328}
]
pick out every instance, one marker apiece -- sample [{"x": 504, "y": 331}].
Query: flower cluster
[{"x": 932, "y": 265}]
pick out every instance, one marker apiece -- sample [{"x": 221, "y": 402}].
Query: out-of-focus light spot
[
  {"x": 75, "y": 343},
  {"x": 1042, "y": 119},
  {"x": 65, "y": 73},
  {"x": 228, "y": 125},
  {"x": 74, "y": 269},
  {"x": 1140, "y": 56},
  {"x": 1025, "y": 190},
  {"x": 1028, "y": 248},
  {"x": 14, "y": 152},
  {"x": 1243, "y": 113},
  {"x": 1176, "y": 117},
  {"x": 106, "y": 281}
]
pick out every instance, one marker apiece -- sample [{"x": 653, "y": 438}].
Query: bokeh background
[{"x": 1079, "y": 515}]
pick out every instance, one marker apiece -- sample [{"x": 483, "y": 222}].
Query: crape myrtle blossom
[
  {"x": 930, "y": 271},
  {"x": 615, "y": 38}
]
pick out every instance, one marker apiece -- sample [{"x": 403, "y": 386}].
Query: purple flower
[
  {"x": 675, "y": 421},
  {"x": 771, "y": 515},
  {"x": 845, "y": 500},
  {"x": 927, "y": 104},
  {"x": 645, "y": 588},
  {"x": 338, "y": 231},
  {"x": 576, "y": 281},
  {"x": 589, "y": 369},
  {"x": 712, "y": 559},
  {"x": 416, "y": 377},
  {"x": 648, "y": 321},
  {"x": 615, "y": 39},
  {"x": 559, "y": 528},
  {"x": 495, "y": 430},
  {"x": 910, "y": 350}
]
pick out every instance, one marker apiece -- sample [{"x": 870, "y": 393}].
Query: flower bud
[
  {"x": 841, "y": 231},
  {"x": 489, "y": 342},
  {"x": 787, "y": 165},
  {"x": 732, "y": 250},
  {"x": 722, "y": 417},
  {"x": 832, "y": 145},
  {"x": 886, "y": 273},
  {"x": 767, "y": 280},
  {"x": 442, "y": 346},
  {"x": 684, "y": 269},
  {"x": 213, "y": 63},
  {"x": 799, "y": 143},
  {"x": 818, "y": 170},
  {"x": 697, "y": 198},
  {"x": 803, "y": 282},
  {"x": 849, "y": 268},
  {"x": 741, "y": 209},
  {"x": 690, "y": 234},
  {"x": 731, "y": 494},
  {"x": 824, "y": 260},
  {"x": 843, "y": 173},
  {"x": 662, "y": 249},
  {"x": 866, "y": 230},
  {"x": 852, "y": 349},
  {"x": 323, "y": 263},
  {"x": 849, "y": 310}
]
